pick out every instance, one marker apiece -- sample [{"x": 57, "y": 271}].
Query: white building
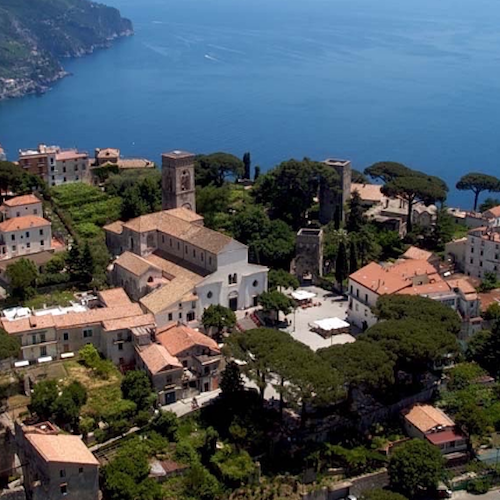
[
  {"x": 71, "y": 166},
  {"x": 22, "y": 205},
  {"x": 24, "y": 230},
  {"x": 410, "y": 277},
  {"x": 482, "y": 252},
  {"x": 177, "y": 267}
]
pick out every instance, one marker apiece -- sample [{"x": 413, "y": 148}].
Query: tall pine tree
[
  {"x": 341, "y": 266},
  {"x": 248, "y": 165}
]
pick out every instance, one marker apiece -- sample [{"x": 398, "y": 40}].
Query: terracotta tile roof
[
  {"x": 24, "y": 222},
  {"x": 134, "y": 264},
  {"x": 128, "y": 323},
  {"x": 185, "y": 214},
  {"x": 178, "y": 338},
  {"x": 135, "y": 163},
  {"x": 71, "y": 320},
  {"x": 416, "y": 253},
  {"x": 70, "y": 155},
  {"x": 488, "y": 298},
  {"x": 428, "y": 289},
  {"x": 368, "y": 192},
  {"x": 447, "y": 436},
  {"x": 427, "y": 417},
  {"x": 492, "y": 212},
  {"x": 62, "y": 448},
  {"x": 27, "y": 199},
  {"x": 114, "y": 297},
  {"x": 114, "y": 227},
  {"x": 464, "y": 285},
  {"x": 157, "y": 358},
  {"x": 170, "y": 224},
  {"x": 393, "y": 278},
  {"x": 108, "y": 152},
  {"x": 182, "y": 282}
]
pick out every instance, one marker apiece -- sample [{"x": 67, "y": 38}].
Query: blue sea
[{"x": 404, "y": 80}]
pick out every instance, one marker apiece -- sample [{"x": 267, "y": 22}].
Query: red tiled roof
[
  {"x": 18, "y": 201},
  {"x": 178, "y": 338},
  {"x": 24, "y": 222},
  {"x": 447, "y": 436}
]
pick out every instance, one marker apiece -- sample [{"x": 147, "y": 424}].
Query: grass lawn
[
  {"x": 101, "y": 392},
  {"x": 59, "y": 298},
  {"x": 459, "y": 231}
]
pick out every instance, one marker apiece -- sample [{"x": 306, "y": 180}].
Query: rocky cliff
[{"x": 35, "y": 35}]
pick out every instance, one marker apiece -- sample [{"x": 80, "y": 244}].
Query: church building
[{"x": 173, "y": 265}]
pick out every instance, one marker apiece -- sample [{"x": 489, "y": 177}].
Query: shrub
[{"x": 479, "y": 486}]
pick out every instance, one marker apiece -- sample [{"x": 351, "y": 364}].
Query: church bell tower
[{"x": 178, "y": 189}]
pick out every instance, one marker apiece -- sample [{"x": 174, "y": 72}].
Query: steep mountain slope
[{"x": 36, "y": 34}]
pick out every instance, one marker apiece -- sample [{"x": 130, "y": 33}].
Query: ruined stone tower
[{"x": 331, "y": 201}]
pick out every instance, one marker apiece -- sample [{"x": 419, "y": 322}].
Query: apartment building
[
  {"x": 410, "y": 277},
  {"x": 56, "y": 166},
  {"x": 56, "y": 465},
  {"x": 482, "y": 251}
]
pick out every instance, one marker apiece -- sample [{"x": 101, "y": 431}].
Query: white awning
[
  {"x": 20, "y": 364},
  {"x": 329, "y": 324},
  {"x": 65, "y": 355},
  {"x": 303, "y": 295},
  {"x": 45, "y": 359}
]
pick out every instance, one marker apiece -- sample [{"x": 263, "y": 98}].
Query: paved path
[{"x": 183, "y": 406}]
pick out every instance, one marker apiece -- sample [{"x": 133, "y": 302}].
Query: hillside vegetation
[{"x": 36, "y": 34}]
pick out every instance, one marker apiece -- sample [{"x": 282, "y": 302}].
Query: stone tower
[
  {"x": 330, "y": 201},
  {"x": 178, "y": 189},
  {"x": 309, "y": 256}
]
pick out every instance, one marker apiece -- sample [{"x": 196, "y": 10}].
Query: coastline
[{"x": 12, "y": 88}]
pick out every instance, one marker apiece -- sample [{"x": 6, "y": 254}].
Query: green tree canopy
[
  {"x": 359, "y": 177},
  {"x": 363, "y": 365},
  {"x": 488, "y": 204},
  {"x": 477, "y": 183},
  {"x": 218, "y": 317},
  {"x": 484, "y": 349},
  {"x": 43, "y": 398},
  {"x": 341, "y": 266},
  {"x": 215, "y": 168},
  {"x": 289, "y": 189},
  {"x": 23, "y": 276},
  {"x": 416, "y": 344},
  {"x": 280, "y": 279},
  {"x": 411, "y": 185},
  {"x": 231, "y": 380},
  {"x": 166, "y": 424},
  {"x": 356, "y": 218},
  {"x": 415, "y": 466},
  {"x": 247, "y": 162},
  {"x": 276, "y": 302},
  {"x": 417, "y": 308},
  {"x": 136, "y": 387},
  {"x": 211, "y": 201},
  {"x": 270, "y": 242},
  {"x": 380, "y": 494},
  {"x": 10, "y": 346},
  {"x": 462, "y": 375}
]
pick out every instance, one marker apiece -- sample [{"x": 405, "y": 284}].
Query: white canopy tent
[
  {"x": 330, "y": 326},
  {"x": 302, "y": 295}
]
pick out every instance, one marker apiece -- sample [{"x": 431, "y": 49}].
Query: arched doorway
[{"x": 233, "y": 301}]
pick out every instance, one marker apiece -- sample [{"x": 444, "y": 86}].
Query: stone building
[
  {"x": 178, "y": 185},
  {"x": 56, "y": 465},
  {"x": 308, "y": 263},
  {"x": 335, "y": 200}
]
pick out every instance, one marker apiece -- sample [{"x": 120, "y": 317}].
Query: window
[
  {"x": 62, "y": 473},
  {"x": 210, "y": 295},
  {"x": 480, "y": 263},
  {"x": 496, "y": 256},
  {"x": 42, "y": 337},
  {"x": 472, "y": 250},
  {"x": 13, "y": 237},
  {"x": 43, "y": 351},
  {"x": 64, "y": 179},
  {"x": 180, "y": 306},
  {"x": 163, "y": 238},
  {"x": 87, "y": 333},
  {"x": 42, "y": 243},
  {"x": 64, "y": 489},
  {"x": 193, "y": 305},
  {"x": 65, "y": 336},
  {"x": 180, "y": 315},
  {"x": 186, "y": 249},
  {"x": 13, "y": 248},
  {"x": 357, "y": 292},
  {"x": 202, "y": 257},
  {"x": 170, "y": 317},
  {"x": 41, "y": 232},
  {"x": 28, "y": 245},
  {"x": 472, "y": 261},
  {"x": 351, "y": 289},
  {"x": 80, "y": 470},
  {"x": 18, "y": 214},
  {"x": 210, "y": 260},
  {"x": 481, "y": 253},
  {"x": 35, "y": 211},
  {"x": 178, "y": 245},
  {"x": 255, "y": 283},
  {"x": 190, "y": 316},
  {"x": 64, "y": 170},
  {"x": 194, "y": 252},
  {"x": 120, "y": 347},
  {"x": 33, "y": 339},
  {"x": 232, "y": 279}
]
